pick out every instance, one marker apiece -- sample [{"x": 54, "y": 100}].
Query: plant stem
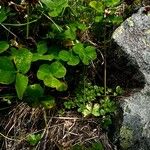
[
  {"x": 27, "y": 31},
  {"x": 105, "y": 62}
]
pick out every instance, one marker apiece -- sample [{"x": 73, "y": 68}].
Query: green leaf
[
  {"x": 34, "y": 91},
  {"x": 97, "y": 146},
  {"x": 64, "y": 55},
  {"x": 98, "y": 6},
  {"x": 51, "y": 81},
  {"x": 70, "y": 33},
  {"x": 69, "y": 57},
  {"x": 96, "y": 110},
  {"x": 102, "y": 112},
  {"x": 42, "y": 47},
  {"x": 22, "y": 59},
  {"x": 73, "y": 60},
  {"x": 112, "y": 3},
  {"x": 98, "y": 18},
  {"x": 87, "y": 110},
  {"x": 62, "y": 87},
  {"x": 7, "y": 71},
  {"x": 3, "y": 46},
  {"x": 79, "y": 49},
  {"x": 50, "y": 73},
  {"x": 33, "y": 139},
  {"x": 55, "y": 7},
  {"x": 116, "y": 19},
  {"x": 21, "y": 84},
  {"x": 89, "y": 55},
  {"x": 48, "y": 102},
  {"x": 119, "y": 90},
  {"x": 86, "y": 54},
  {"x": 3, "y": 14},
  {"x": 37, "y": 56},
  {"x": 57, "y": 69}
]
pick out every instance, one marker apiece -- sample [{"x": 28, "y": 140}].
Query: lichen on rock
[{"x": 134, "y": 39}]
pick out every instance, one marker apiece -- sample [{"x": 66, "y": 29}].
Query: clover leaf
[
  {"x": 55, "y": 7},
  {"x": 86, "y": 54},
  {"x": 51, "y": 73},
  {"x": 68, "y": 56},
  {"x": 111, "y": 3},
  {"x": 98, "y": 6}
]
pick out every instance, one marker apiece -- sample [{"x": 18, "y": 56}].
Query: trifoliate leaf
[
  {"x": 64, "y": 55},
  {"x": 98, "y": 6},
  {"x": 55, "y": 7},
  {"x": 57, "y": 69}
]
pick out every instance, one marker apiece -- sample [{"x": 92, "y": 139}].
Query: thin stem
[
  {"x": 59, "y": 29},
  {"x": 28, "y": 11},
  {"x": 8, "y": 30},
  {"x": 20, "y": 24},
  {"x": 105, "y": 63}
]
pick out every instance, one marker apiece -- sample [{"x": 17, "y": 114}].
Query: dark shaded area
[{"x": 121, "y": 70}]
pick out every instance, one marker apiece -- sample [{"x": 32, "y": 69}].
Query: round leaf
[
  {"x": 3, "y": 46},
  {"x": 73, "y": 60},
  {"x": 79, "y": 49},
  {"x": 21, "y": 84},
  {"x": 42, "y": 47},
  {"x": 64, "y": 55},
  {"x": 43, "y": 71},
  {"x": 34, "y": 91},
  {"x": 89, "y": 55},
  {"x": 56, "y": 69},
  {"x": 22, "y": 60},
  {"x": 7, "y": 71}
]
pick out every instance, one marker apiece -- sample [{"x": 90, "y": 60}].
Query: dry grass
[{"x": 58, "y": 132}]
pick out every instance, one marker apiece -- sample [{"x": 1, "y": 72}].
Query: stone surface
[{"x": 133, "y": 36}]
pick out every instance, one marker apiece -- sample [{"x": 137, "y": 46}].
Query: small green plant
[
  {"x": 33, "y": 139},
  {"x": 54, "y": 53},
  {"x": 90, "y": 100}
]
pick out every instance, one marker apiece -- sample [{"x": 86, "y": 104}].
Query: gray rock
[{"x": 133, "y": 36}]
